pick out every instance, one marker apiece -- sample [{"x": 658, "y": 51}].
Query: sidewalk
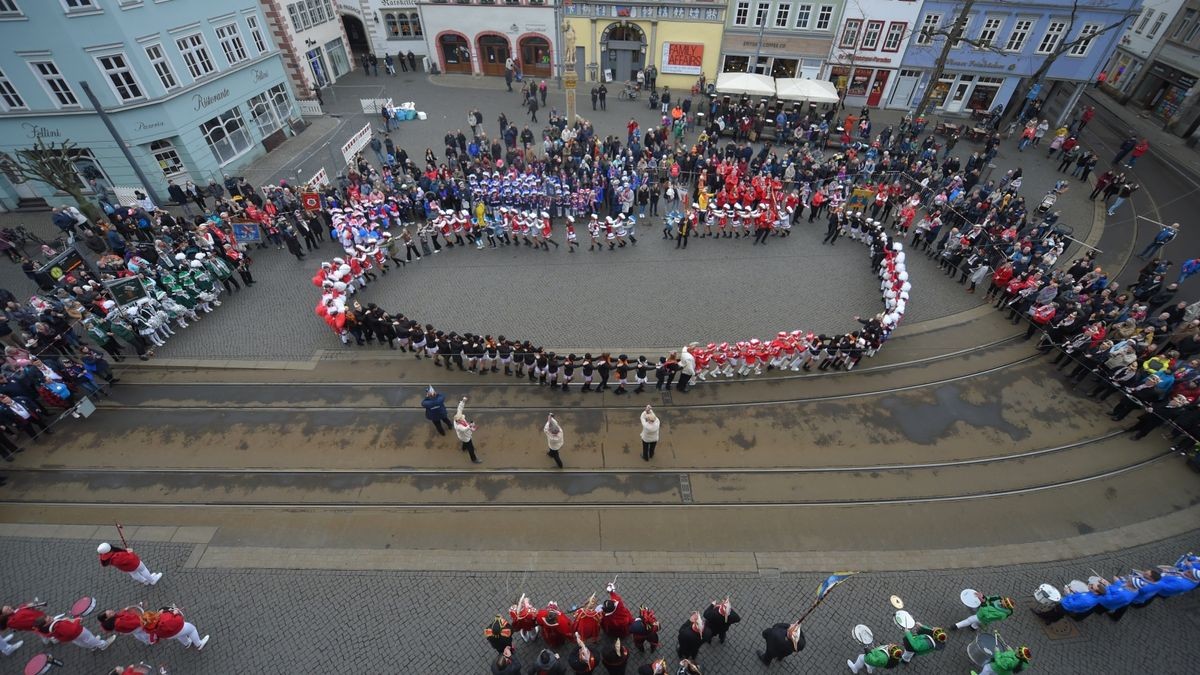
[{"x": 1162, "y": 143}]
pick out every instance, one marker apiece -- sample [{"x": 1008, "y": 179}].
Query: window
[
  {"x": 415, "y": 20},
  {"x": 9, "y": 7},
  {"x": 120, "y": 77},
  {"x": 761, "y": 11},
  {"x": 1084, "y": 41},
  {"x": 871, "y": 34},
  {"x": 782, "y": 13},
  {"x": 162, "y": 67},
  {"x": 168, "y": 159},
  {"x": 1018, "y": 36},
  {"x": 58, "y": 89},
  {"x": 195, "y": 55},
  {"x": 850, "y": 34},
  {"x": 318, "y": 11},
  {"x": 231, "y": 43},
  {"x": 1189, "y": 15},
  {"x": 966, "y": 28},
  {"x": 226, "y": 136},
  {"x": 263, "y": 116},
  {"x": 824, "y": 17},
  {"x": 281, "y": 102},
  {"x": 301, "y": 19},
  {"x": 405, "y": 25},
  {"x": 1191, "y": 34},
  {"x": 1146, "y": 16},
  {"x": 1053, "y": 36},
  {"x": 393, "y": 30},
  {"x": 260, "y": 44},
  {"x": 895, "y": 36},
  {"x": 79, "y": 5},
  {"x": 929, "y": 24},
  {"x": 991, "y": 26},
  {"x": 803, "y": 15},
  {"x": 741, "y": 14},
  {"x": 1162, "y": 17},
  {"x": 9, "y": 98}
]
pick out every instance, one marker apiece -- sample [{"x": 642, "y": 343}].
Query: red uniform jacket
[
  {"x": 127, "y": 621},
  {"x": 66, "y": 630},
  {"x": 168, "y": 626},
  {"x": 616, "y": 625},
  {"x": 555, "y": 635},
  {"x": 24, "y": 618},
  {"x": 126, "y": 561}
]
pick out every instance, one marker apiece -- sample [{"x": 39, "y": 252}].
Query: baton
[{"x": 121, "y": 531}]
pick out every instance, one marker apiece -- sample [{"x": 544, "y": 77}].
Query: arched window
[
  {"x": 392, "y": 29},
  {"x": 167, "y": 157},
  {"x": 415, "y": 20},
  {"x": 405, "y": 26}
]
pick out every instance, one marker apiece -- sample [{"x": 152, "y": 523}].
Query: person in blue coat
[
  {"x": 435, "y": 410},
  {"x": 1117, "y": 597},
  {"x": 1079, "y": 605}
]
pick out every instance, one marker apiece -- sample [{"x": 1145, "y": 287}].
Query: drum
[
  {"x": 41, "y": 664},
  {"x": 83, "y": 606},
  {"x": 970, "y": 598},
  {"x": 980, "y": 649},
  {"x": 1047, "y": 595},
  {"x": 904, "y": 620},
  {"x": 897, "y": 602},
  {"x": 1093, "y": 580},
  {"x": 1077, "y": 586},
  {"x": 863, "y": 634}
]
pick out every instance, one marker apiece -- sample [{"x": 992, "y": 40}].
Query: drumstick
[{"x": 121, "y": 531}]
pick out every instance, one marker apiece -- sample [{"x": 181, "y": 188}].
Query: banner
[
  {"x": 357, "y": 142},
  {"x": 246, "y": 232},
  {"x": 682, "y": 58},
  {"x": 310, "y": 201}
]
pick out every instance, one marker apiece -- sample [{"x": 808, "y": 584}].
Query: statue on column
[{"x": 568, "y": 32}]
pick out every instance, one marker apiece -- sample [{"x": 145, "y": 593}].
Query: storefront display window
[
  {"x": 985, "y": 92},
  {"x": 736, "y": 64},
  {"x": 858, "y": 85},
  {"x": 940, "y": 90},
  {"x": 784, "y": 68}
]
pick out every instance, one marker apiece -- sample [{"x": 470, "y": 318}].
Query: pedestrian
[
  {"x": 508, "y": 77},
  {"x": 24, "y": 414},
  {"x": 64, "y": 630},
  {"x": 366, "y": 64},
  {"x": 375, "y": 65},
  {"x": 533, "y": 108},
  {"x": 127, "y": 561},
  {"x": 542, "y": 91},
  {"x": 1138, "y": 150},
  {"x": 650, "y": 428},
  {"x": 506, "y": 663},
  {"x": 293, "y": 243},
  {"x": 687, "y": 367},
  {"x": 412, "y": 61},
  {"x": 554, "y": 439},
  {"x": 1102, "y": 181},
  {"x": 403, "y": 62},
  {"x": 595, "y": 97},
  {"x": 1125, "y": 148},
  {"x": 465, "y": 430},
  {"x": 782, "y": 640},
  {"x": 1164, "y": 236},
  {"x": 435, "y": 408},
  {"x": 603, "y": 91},
  {"x": 389, "y": 64},
  {"x": 1123, "y": 194},
  {"x": 1086, "y": 116}
]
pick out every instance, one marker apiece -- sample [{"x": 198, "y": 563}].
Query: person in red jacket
[
  {"x": 617, "y": 617},
  {"x": 22, "y": 617},
  {"x": 128, "y": 562},
  {"x": 125, "y": 621},
  {"x": 71, "y": 630},
  {"x": 168, "y": 623},
  {"x": 555, "y": 626}
]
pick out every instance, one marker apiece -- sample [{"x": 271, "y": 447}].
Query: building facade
[
  {"x": 1139, "y": 39},
  {"x": 477, "y": 37},
  {"x": 615, "y": 40},
  {"x": 385, "y": 27},
  {"x": 1168, "y": 84},
  {"x": 779, "y": 38},
  {"x": 867, "y": 52},
  {"x": 195, "y": 89},
  {"x": 1021, "y": 37},
  {"x": 312, "y": 40}
]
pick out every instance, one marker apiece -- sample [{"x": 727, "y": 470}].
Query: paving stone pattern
[{"x": 431, "y": 623}]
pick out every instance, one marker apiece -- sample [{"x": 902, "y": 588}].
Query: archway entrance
[
  {"x": 456, "y": 55},
  {"x": 357, "y": 34},
  {"x": 624, "y": 47},
  {"x": 536, "y": 57},
  {"x": 493, "y": 52}
]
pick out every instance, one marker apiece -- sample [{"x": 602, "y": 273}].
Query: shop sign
[{"x": 682, "y": 58}]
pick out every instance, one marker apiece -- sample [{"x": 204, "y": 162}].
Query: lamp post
[{"x": 116, "y": 135}]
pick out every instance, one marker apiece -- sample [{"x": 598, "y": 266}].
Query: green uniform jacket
[
  {"x": 919, "y": 644},
  {"x": 991, "y": 610}
]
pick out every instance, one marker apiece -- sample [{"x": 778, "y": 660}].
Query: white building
[
  {"x": 385, "y": 27},
  {"x": 1140, "y": 38},
  {"x": 478, "y": 36},
  {"x": 864, "y": 61},
  {"x": 310, "y": 35}
]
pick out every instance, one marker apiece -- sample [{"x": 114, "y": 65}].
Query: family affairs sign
[{"x": 682, "y": 58}]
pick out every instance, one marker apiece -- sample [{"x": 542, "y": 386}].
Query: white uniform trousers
[
  {"x": 972, "y": 621},
  {"x": 89, "y": 641},
  {"x": 7, "y": 647},
  {"x": 860, "y": 663},
  {"x": 142, "y": 575},
  {"x": 188, "y": 636},
  {"x": 987, "y": 669}
]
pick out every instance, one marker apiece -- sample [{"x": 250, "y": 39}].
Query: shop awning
[
  {"x": 805, "y": 89},
  {"x": 745, "y": 83}
]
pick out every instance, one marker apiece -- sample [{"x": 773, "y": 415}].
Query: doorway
[
  {"x": 359, "y": 44},
  {"x": 624, "y": 51},
  {"x": 877, "y": 87},
  {"x": 959, "y": 98},
  {"x": 535, "y": 56},
  {"x": 456, "y": 56},
  {"x": 906, "y": 86},
  {"x": 493, "y": 52}
]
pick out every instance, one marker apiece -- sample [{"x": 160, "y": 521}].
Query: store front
[
  {"x": 1164, "y": 90},
  {"x": 777, "y": 56},
  {"x": 866, "y": 86},
  {"x": 964, "y": 92}
]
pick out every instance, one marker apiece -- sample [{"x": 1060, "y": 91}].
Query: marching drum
[
  {"x": 1093, "y": 580},
  {"x": 864, "y": 635},
  {"x": 904, "y": 620},
  {"x": 41, "y": 664},
  {"x": 971, "y": 598},
  {"x": 83, "y": 606},
  {"x": 980, "y": 650},
  {"x": 1077, "y": 586},
  {"x": 1047, "y": 595}
]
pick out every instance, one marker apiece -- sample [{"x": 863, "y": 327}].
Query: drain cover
[{"x": 1063, "y": 629}]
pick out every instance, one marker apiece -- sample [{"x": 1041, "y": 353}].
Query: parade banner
[
  {"x": 682, "y": 58},
  {"x": 311, "y": 201},
  {"x": 246, "y": 232},
  {"x": 126, "y": 290},
  {"x": 357, "y": 142}
]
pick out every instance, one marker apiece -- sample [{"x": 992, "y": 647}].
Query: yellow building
[{"x": 681, "y": 39}]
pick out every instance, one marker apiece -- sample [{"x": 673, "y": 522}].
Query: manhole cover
[{"x": 1063, "y": 629}]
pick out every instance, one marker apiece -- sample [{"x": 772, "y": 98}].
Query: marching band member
[
  {"x": 126, "y": 621},
  {"x": 1007, "y": 661},
  {"x": 555, "y": 626},
  {"x": 992, "y": 609},
  {"x": 70, "y": 629},
  {"x": 168, "y": 623},
  {"x": 547, "y": 663},
  {"x": 782, "y": 640},
  {"x": 884, "y": 656},
  {"x": 581, "y": 659},
  {"x": 498, "y": 634},
  {"x": 692, "y": 634},
  {"x": 921, "y": 640},
  {"x": 524, "y": 618},
  {"x": 617, "y": 618},
  {"x": 615, "y": 658},
  {"x": 128, "y": 562},
  {"x": 644, "y": 630},
  {"x": 718, "y": 617}
]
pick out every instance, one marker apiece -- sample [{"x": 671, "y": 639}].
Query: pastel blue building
[
  {"x": 1021, "y": 34},
  {"x": 196, "y": 88}
]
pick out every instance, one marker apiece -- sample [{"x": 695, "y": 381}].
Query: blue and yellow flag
[{"x": 833, "y": 580}]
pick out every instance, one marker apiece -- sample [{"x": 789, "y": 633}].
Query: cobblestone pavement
[
  {"x": 289, "y": 621},
  {"x": 650, "y": 295}
]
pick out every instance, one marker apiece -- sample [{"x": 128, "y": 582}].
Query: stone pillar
[{"x": 570, "y": 83}]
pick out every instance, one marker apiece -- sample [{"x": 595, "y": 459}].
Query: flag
[{"x": 833, "y": 580}]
